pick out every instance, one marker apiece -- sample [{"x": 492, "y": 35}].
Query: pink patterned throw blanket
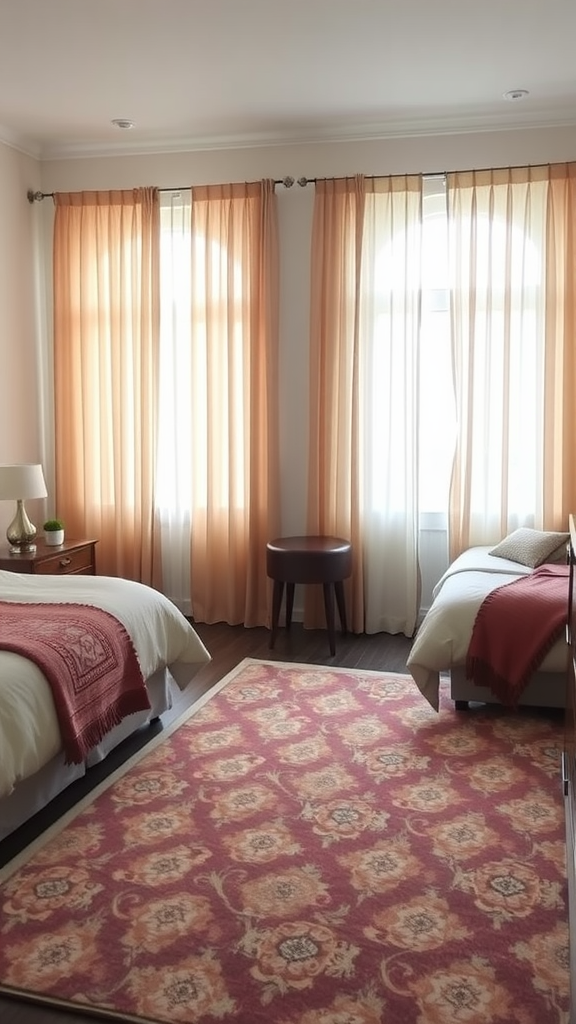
[
  {"x": 516, "y": 626},
  {"x": 89, "y": 660}
]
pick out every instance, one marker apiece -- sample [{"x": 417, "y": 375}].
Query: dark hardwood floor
[{"x": 228, "y": 645}]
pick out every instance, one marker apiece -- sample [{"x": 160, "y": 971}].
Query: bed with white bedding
[
  {"x": 442, "y": 641},
  {"x": 33, "y": 768}
]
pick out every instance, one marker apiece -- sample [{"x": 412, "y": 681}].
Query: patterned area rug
[{"x": 312, "y": 846}]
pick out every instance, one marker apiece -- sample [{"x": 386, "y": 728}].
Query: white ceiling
[{"x": 198, "y": 74}]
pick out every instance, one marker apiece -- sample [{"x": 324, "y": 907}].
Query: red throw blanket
[
  {"x": 89, "y": 661},
  {"x": 516, "y": 626}
]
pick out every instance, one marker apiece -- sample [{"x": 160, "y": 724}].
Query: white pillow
[{"x": 532, "y": 547}]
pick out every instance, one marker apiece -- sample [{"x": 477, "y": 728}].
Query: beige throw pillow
[{"x": 531, "y": 547}]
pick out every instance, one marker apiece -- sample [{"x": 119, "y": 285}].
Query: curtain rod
[{"x": 288, "y": 181}]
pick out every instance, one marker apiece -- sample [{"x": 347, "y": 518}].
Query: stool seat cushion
[{"x": 309, "y": 559}]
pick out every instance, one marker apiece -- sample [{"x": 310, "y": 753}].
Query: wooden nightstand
[{"x": 72, "y": 557}]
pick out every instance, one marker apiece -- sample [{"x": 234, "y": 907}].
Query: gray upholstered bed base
[
  {"x": 545, "y": 690},
  {"x": 33, "y": 793}
]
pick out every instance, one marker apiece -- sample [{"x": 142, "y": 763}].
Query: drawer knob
[{"x": 64, "y": 562}]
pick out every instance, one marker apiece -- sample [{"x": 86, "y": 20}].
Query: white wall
[
  {"x": 20, "y": 399},
  {"x": 387, "y": 156}
]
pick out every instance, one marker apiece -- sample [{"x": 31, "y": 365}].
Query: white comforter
[
  {"x": 444, "y": 636},
  {"x": 29, "y": 733}
]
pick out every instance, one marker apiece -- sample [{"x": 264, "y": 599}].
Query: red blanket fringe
[
  {"x": 89, "y": 660},
  {"x": 515, "y": 628}
]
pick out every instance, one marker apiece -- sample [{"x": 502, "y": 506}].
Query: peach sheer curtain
[
  {"x": 234, "y": 400},
  {"x": 106, "y": 325},
  {"x": 364, "y": 340},
  {"x": 513, "y": 286},
  {"x": 333, "y": 463}
]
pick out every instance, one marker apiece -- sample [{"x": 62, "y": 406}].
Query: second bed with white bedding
[{"x": 442, "y": 641}]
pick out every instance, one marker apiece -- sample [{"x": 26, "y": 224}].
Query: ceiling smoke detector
[
  {"x": 515, "y": 94},
  {"x": 123, "y": 122}
]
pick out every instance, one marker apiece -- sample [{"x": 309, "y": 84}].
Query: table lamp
[{"x": 18, "y": 483}]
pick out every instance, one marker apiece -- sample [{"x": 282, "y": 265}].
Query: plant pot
[{"x": 54, "y": 537}]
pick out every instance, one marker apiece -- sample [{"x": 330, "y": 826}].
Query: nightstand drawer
[
  {"x": 79, "y": 561},
  {"x": 73, "y": 557}
]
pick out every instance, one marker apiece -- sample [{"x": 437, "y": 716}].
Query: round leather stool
[{"x": 325, "y": 560}]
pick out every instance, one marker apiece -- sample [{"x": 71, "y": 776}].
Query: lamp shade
[{"x": 24, "y": 481}]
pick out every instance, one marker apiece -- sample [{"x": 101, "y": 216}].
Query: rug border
[
  {"x": 17, "y": 995},
  {"x": 41, "y": 840}
]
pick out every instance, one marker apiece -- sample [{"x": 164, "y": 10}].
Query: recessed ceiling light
[
  {"x": 122, "y": 122},
  {"x": 516, "y": 94}
]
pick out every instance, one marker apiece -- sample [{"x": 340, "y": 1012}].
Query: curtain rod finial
[{"x": 34, "y": 197}]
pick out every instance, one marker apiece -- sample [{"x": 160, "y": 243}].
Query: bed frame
[
  {"x": 545, "y": 690},
  {"x": 32, "y": 794}
]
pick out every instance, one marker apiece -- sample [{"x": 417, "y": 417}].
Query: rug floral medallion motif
[{"x": 312, "y": 846}]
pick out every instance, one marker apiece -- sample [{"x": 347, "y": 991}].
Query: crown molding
[
  {"x": 356, "y": 132},
  {"x": 20, "y": 143}
]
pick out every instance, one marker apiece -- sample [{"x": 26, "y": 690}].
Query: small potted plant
[{"x": 54, "y": 531}]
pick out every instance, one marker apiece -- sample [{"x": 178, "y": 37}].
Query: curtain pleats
[
  {"x": 559, "y": 485},
  {"x": 106, "y": 326},
  {"x": 512, "y": 278},
  {"x": 234, "y": 400}
]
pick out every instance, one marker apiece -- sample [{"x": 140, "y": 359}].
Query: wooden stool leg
[
  {"x": 289, "y": 603},
  {"x": 329, "y": 608},
  {"x": 339, "y": 591},
  {"x": 276, "y": 604}
]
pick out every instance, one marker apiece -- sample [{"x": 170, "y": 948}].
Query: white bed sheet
[
  {"x": 444, "y": 636},
  {"x": 162, "y": 637}
]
